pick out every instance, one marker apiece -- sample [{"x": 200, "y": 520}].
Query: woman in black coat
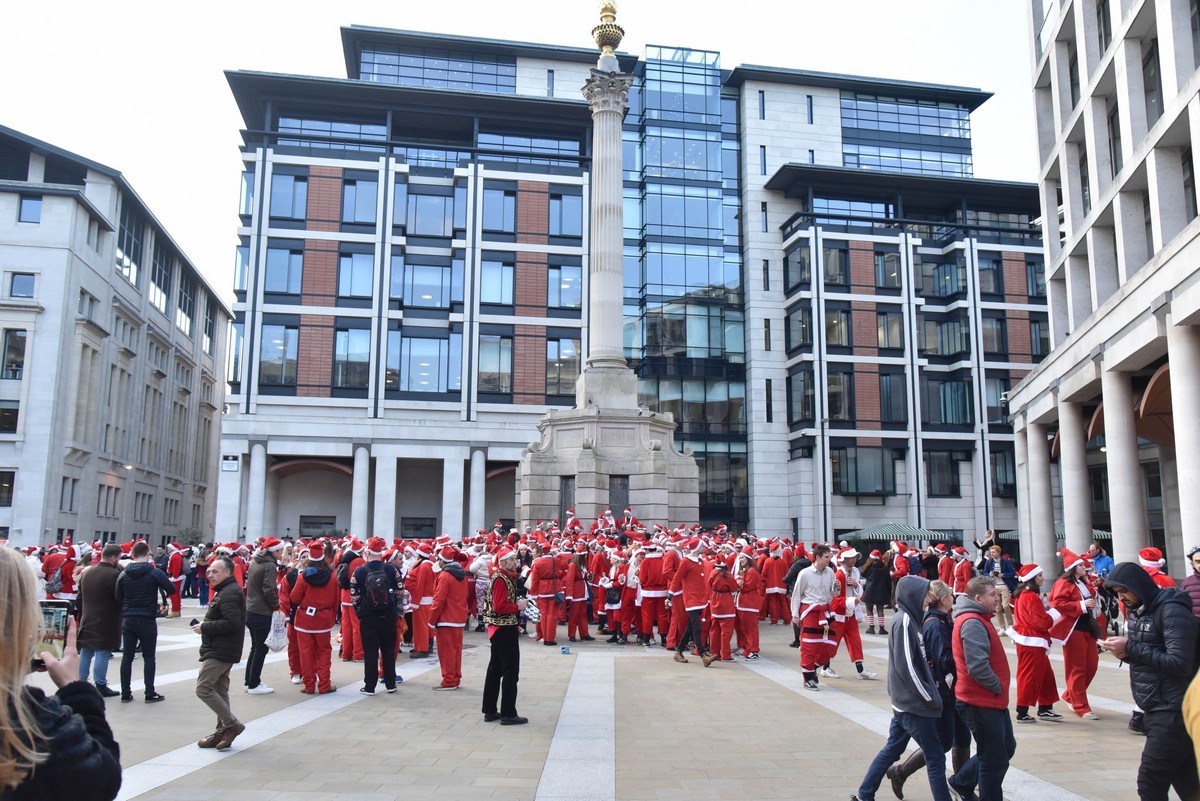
[
  {"x": 57, "y": 746},
  {"x": 878, "y": 591}
]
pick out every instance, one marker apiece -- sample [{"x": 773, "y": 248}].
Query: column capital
[{"x": 608, "y": 91}]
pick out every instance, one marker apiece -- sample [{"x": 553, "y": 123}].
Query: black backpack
[
  {"x": 343, "y": 575},
  {"x": 376, "y": 593}
]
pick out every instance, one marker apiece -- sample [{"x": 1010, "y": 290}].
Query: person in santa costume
[
  {"x": 773, "y": 571},
  {"x": 811, "y": 598},
  {"x": 502, "y": 605},
  {"x": 722, "y": 609},
  {"x": 679, "y": 619},
  {"x": 598, "y": 565},
  {"x": 349, "y": 562},
  {"x": 612, "y": 585},
  {"x": 316, "y": 598},
  {"x": 945, "y": 567},
  {"x": 652, "y": 577},
  {"x": 176, "y": 575},
  {"x": 847, "y": 590},
  {"x": 576, "y": 584},
  {"x": 449, "y": 616},
  {"x": 1076, "y": 630},
  {"x": 749, "y": 601},
  {"x": 1152, "y": 561},
  {"x": 964, "y": 571},
  {"x": 63, "y": 562},
  {"x": 1032, "y": 621},
  {"x": 419, "y": 584},
  {"x": 877, "y": 591},
  {"x": 693, "y": 594},
  {"x": 546, "y": 581}
]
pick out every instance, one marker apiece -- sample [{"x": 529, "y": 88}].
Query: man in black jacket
[
  {"x": 221, "y": 639},
  {"x": 138, "y": 590},
  {"x": 1160, "y": 649}
]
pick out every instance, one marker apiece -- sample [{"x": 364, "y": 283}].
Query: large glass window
[
  {"x": 277, "y": 358},
  {"x": 496, "y": 282},
  {"x": 14, "y": 353},
  {"x": 356, "y": 272},
  {"x": 801, "y": 407},
  {"x": 698, "y": 406},
  {"x": 797, "y": 270},
  {"x": 1115, "y": 153},
  {"x": 684, "y": 210},
  {"x": 359, "y": 197},
  {"x": 991, "y": 276},
  {"x": 499, "y": 210},
  {"x": 185, "y": 304},
  {"x": 284, "y": 271},
  {"x": 698, "y": 332},
  {"x": 8, "y": 479},
  {"x": 887, "y": 270},
  {"x": 565, "y": 286},
  {"x": 942, "y": 279},
  {"x": 945, "y": 337},
  {"x": 10, "y": 414},
  {"x": 837, "y": 328},
  {"x": 566, "y": 214},
  {"x": 1035, "y": 278},
  {"x": 946, "y": 401},
  {"x": 995, "y": 335},
  {"x": 289, "y": 196},
  {"x": 330, "y": 134},
  {"x": 941, "y": 474},
  {"x": 798, "y": 325},
  {"x": 21, "y": 285},
  {"x": 995, "y": 390},
  {"x": 1152, "y": 82},
  {"x": 428, "y": 286},
  {"x": 495, "y": 364},
  {"x": 836, "y": 262},
  {"x": 233, "y": 361},
  {"x": 688, "y": 154},
  {"x": 241, "y": 267},
  {"x": 840, "y": 394},
  {"x": 863, "y": 156},
  {"x": 863, "y": 471},
  {"x": 1004, "y": 474},
  {"x": 352, "y": 358},
  {"x": 438, "y": 68},
  {"x": 30, "y": 209},
  {"x": 210, "y": 324},
  {"x": 890, "y": 326},
  {"x": 430, "y": 214},
  {"x": 562, "y": 366},
  {"x": 160, "y": 278},
  {"x": 130, "y": 240},
  {"x": 424, "y": 364},
  {"x": 1039, "y": 338},
  {"x": 893, "y": 405},
  {"x": 1104, "y": 24}
]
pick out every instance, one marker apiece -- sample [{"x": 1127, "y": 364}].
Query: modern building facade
[
  {"x": 412, "y": 297},
  {"x": 1118, "y": 112},
  {"x": 114, "y": 350}
]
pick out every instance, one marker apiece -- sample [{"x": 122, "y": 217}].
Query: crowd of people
[{"x": 700, "y": 593}]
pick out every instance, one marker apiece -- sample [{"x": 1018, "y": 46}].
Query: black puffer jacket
[
  {"x": 222, "y": 633},
  {"x": 1161, "y": 647},
  {"x": 85, "y": 761},
  {"x": 139, "y": 587}
]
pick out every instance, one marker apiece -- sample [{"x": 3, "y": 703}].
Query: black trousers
[
  {"x": 503, "y": 673},
  {"x": 1168, "y": 759},
  {"x": 138, "y": 633},
  {"x": 260, "y": 627},
  {"x": 378, "y": 634},
  {"x": 691, "y": 633}
]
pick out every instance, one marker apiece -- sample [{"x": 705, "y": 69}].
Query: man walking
[
  {"x": 100, "y": 618},
  {"x": 138, "y": 589},
  {"x": 981, "y": 692},
  {"x": 262, "y": 599},
  {"x": 448, "y": 615},
  {"x": 221, "y": 636},
  {"x": 811, "y": 599},
  {"x": 374, "y": 586},
  {"x": 1160, "y": 649}
]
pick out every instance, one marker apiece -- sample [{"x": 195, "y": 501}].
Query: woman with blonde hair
[{"x": 50, "y": 747}]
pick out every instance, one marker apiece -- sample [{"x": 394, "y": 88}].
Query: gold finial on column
[{"x": 608, "y": 35}]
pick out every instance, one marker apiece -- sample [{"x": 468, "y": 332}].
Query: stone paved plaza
[{"x": 606, "y": 722}]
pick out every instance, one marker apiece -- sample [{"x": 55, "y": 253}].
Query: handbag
[
  {"x": 559, "y": 597},
  {"x": 612, "y": 595},
  {"x": 277, "y": 636}
]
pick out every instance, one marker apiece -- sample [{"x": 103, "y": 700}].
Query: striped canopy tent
[
  {"x": 1060, "y": 534},
  {"x": 887, "y": 532}
]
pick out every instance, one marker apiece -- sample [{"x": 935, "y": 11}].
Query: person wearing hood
[
  {"x": 138, "y": 589},
  {"x": 916, "y": 702},
  {"x": 262, "y": 601},
  {"x": 449, "y": 616},
  {"x": 1160, "y": 649},
  {"x": 316, "y": 598},
  {"x": 374, "y": 587},
  {"x": 981, "y": 692}
]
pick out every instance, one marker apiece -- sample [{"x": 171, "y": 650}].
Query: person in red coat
[
  {"x": 722, "y": 609},
  {"x": 1073, "y": 606},
  {"x": 597, "y": 567},
  {"x": 652, "y": 577},
  {"x": 576, "y": 584},
  {"x": 1152, "y": 561},
  {"x": 419, "y": 584},
  {"x": 287, "y": 582},
  {"x": 964, "y": 571},
  {"x": 615, "y": 580},
  {"x": 545, "y": 581},
  {"x": 316, "y": 598},
  {"x": 64, "y": 561},
  {"x": 749, "y": 601},
  {"x": 1031, "y": 632},
  {"x": 678, "y": 623},
  {"x": 176, "y": 575},
  {"x": 775, "y": 604},
  {"x": 693, "y": 594},
  {"x": 352, "y": 647},
  {"x": 945, "y": 567},
  {"x": 847, "y": 593},
  {"x": 448, "y": 615}
]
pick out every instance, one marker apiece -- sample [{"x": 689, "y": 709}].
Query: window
[
  {"x": 1194, "y": 13},
  {"x": 500, "y": 210},
  {"x": 159, "y": 292},
  {"x": 234, "y": 357},
  {"x": 892, "y": 405},
  {"x": 766, "y": 275},
  {"x": 496, "y": 282},
  {"x": 246, "y": 198},
  {"x": 863, "y": 471},
  {"x": 424, "y": 364},
  {"x": 21, "y": 285},
  {"x": 946, "y": 337},
  {"x": 797, "y": 270},
  {"x": 439, "y": 68},
  {"x": 285, "y": 269},
  {"x": 289, "y": 196},
  {"x": 887, "y": 270},
  {"x": 185, "y": 305},
  {"x": 10, "y": 412},
  {"x": 30, "y": 210},
  {"x": 890, "y": 325},
  {"x": 1035, "y": 278},
  {"x": 762, "y": 105},
  {"x": 1104, "y": 24},
  {"x": 941, "y": 474},
  {"x": 431, "y": 214},
  {"x": 562, "y": 366},
  {"x": 767, "y": 334},
  {"x": 1085, "y": 189},
  {"x": 1189, "y": 184},
  {"x": 210, "y": 324},
  {"x": 359, "y": 196},
  {"x": 1039, "y": 338},
  {"x": 946, "y": 401},
  {"x": 808, "y": 101},
  {"x": 991, "y": 277},
  {"x": 1073, "y": 74},
  {"x": 769, "y": 397},
  {"x": 1114, "y": 138},
  {"x": 351, "y": 358},
  {"x": 995, "y": 391},
  {"x": 763, "y": 216},
  {"x": 241, "y": 267},
  {"x": 8, "y": 478},
  {"x": 14, "y": 354},
  {"x": 565, "y": 286},
  {"x": 130, "y": 238},
  {"x": 836, "y": 261},
  {"x": 837, "y": 328},
  {"x": 549, "y": 83},
  {"x": 1151, "y": 83},
  {"x": 801, "y": 407},
  {"x": 762, "y": 159},
  {"x": 995, "y": 335},
  {"x": 495, "y": 364},
  {"x": 355, "y": 275},
  {"x": 841, "y": 396},
  {"x": 798, "y": 325},
  {"x": 566, "y": 214},
  {"x": 68, "y": 497},
  {"x": 277, "y": 359},
  {"x": 1004, "y": 474}
]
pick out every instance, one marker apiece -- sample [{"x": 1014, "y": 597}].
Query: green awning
[{"x": 887, "y": 532}]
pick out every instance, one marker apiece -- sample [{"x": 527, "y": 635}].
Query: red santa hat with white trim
[
  {"x": 1070, "y": 558},
  {"x": 1028, "y": 572},
  {"x": 1151, "y": 557}
]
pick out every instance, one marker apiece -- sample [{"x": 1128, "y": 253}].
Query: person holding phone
[{"x": 57, "y": 746}]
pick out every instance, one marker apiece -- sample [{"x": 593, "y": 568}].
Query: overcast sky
[{"x": 140, "y": 86}]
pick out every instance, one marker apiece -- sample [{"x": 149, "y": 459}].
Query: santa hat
[
  {"x": 1028, "y": 572},
  {"x": 424, "y": 550},
  {"x": 940, "y": 547},
  {"x": 898, "y": 546},
  {"x": 693, "y": 545},
  {"x": 447, "y": 553},
  {"x": 316, "y": 550},
  {"x": 875, "y": 554},
  {"x": 848, "y": 553},
  {"x": 581, "y": 547},
  {"x": 174, "y": 546},
  {"x": 1151, "y": 557},
  {"x": 376, "y": 546},
  {"x": 959, "y": 552},
  {"x": 1070, "y": 559},
  {"x": 272, "y": 544}
]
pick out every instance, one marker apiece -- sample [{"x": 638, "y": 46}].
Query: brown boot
[
  {"x": 679, "y": 657},
  {"x": 899, "y": 772},
  {"x": 709, "y": 659},
  {"x": 211, "y": 740},
  {"x": 958, "y": 758},
  {"x": 229, "y": 735}
]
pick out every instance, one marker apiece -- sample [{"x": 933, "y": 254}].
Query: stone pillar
[
  {"x": 360, "y": 492},
  {"x": 1041, "y": 499},
  {"x": 1021, "y": 464},
  {"x": 1183, "y": 350},
  {"x": 385, "y": 497},
  {"x": 1126, "y": 492},
  {"x": 271, "y": 527},
  {"x": 257, "y": 491},
  {"x": 452, "y": 496},
  {"x": 1072, "y": 464},
  {"x": 476, "y": 507}
]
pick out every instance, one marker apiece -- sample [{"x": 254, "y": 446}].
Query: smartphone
[{"x": 56, "y": 615}]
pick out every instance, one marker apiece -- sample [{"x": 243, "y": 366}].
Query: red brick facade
[
  {"x": 533, "y": 213},
  {"x": 862, "y": 268},
  {"x": 531, "y": 275},
  {"x": 314, "y": 373},
  {"x": 324, "y": 199},
  {"x": 529, "y": 365}
]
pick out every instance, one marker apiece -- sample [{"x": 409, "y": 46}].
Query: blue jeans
[
  {"x": 202, "y": 582},
  {"x": 994, "y": 747},
  {"x": 99, "y": 667},
  {"x": 906, "y": 725}
]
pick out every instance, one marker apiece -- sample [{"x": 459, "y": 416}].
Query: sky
[{"x": 140, "y": 87}]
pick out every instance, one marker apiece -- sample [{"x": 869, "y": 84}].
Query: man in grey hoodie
[{"x": 916, "y": 703}]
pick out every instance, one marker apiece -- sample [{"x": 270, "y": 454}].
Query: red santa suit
[
  {"x": 316, "y": 598},
  {"x": 284, "y": 590},
  {"x": 576, "y": 592},
  {"x": 946, "y": 570},
  {"x": 64, "y": 563},
  {"x": 597, "y": 568},
  {"x": 811, "y": 599},
  {"x": 678, "y": 622},
  {"x": 617, "y": 576},
  {"x": 653, "y": 579},
  {"x": 448, "y": 616},
  {"x": 964, "y": 571},
  {"x": 749, "y": 601},
  {"x": 420, "y": 587},
  {"x": 722, "y": 611},
  {"x": 690, "y": 583},
  {"x": 1069, "y": 607},
  {"x": 177, "y": 577},
  {"x": 847, "y": 589},
  {"x": 775, "y": 605},
  {"x": 545, "y": 579},
  {"x": 1031, "y": 633},
  {"x": 351, "y": 634}
]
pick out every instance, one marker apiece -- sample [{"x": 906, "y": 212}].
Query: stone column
[
  {"x": 257, "y": 491},
  {"x": 384, "y": 524},
  {"x": 1072, "y": 464},
  {"x": 1183, "y": 349},
  {"x": 476, "y": 507},
  {"x": 1126, "y": 492},
  {"x": 452, "y": 496},
  {"x": 360, "y": 491},
  {"x": 1041, "y": 499}
]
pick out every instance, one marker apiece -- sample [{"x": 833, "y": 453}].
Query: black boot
[{"x": 899, "y": 772}]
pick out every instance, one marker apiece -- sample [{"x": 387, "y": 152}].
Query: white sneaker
[
  {"x": 1003, "y": 632},
  {"x": 829, "y": 673},
  {"x": 866, "y": 674},
  {"x": 297, "y": 680},
  {"x": 261, "y": 689}
]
